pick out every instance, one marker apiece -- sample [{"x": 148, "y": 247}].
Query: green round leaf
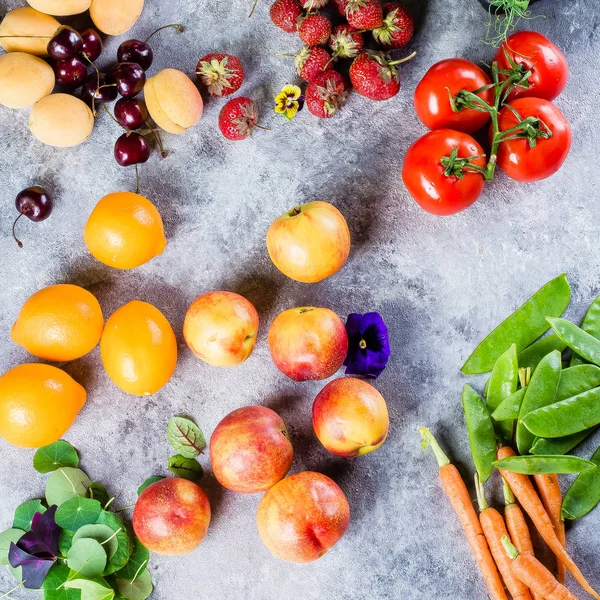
[
  {"x": 66, "y": 483},
  {"x": 137, "y": 561},
  {"x": 91, "y": 589},
  {"x": 149, "y": 482},
  {"x": 103, "y": 534},
  {"x": 56, "y": 455},
  {"x": 77, "y": 512},
  {"x": 87, "y": 558},
  {"x": 185, "y": 437},
  {"x": 8, "y": 537},
  {"x": 24, "y": 514},
  {"x": 98, "y": 492},
  {"x": 53, "y": 585},
  {"x": 65, "y": 541},
  {"x": 138, "y": 589},
  {"x": 121, "y": 556},
  {"x": 186, "y": 468}
]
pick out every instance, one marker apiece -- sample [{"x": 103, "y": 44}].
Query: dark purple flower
[{"x": 368, "y": 345}]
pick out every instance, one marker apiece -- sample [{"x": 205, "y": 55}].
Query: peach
[
  {"x": 171, "y": 516},
  {"x": 173, "y": 100},
  {"x": 220, "y": 328},
  {"x": 115, "y": 17},
  {"x": 350, "y": 417},
  {"x": 303, "y": 516},
  {"x": 308, "y": 343},
  {"x": 24, "y": 79},
  {"x": 32, "y": 29},
  {"x": 250, "y": 450},
  {"x": 310, "y": 242}
]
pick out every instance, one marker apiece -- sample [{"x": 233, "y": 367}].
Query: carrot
[
  {"x": 524, "y": 491},
  {"x": 517, "y": 526},
  {"x": 535, "y": 575},
  {"x": 549, "y": 490},
  {"x": 457, "y": 492},
  {"x": 494, "y": 530}
]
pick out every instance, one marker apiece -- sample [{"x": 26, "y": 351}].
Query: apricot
[
  {"x": 115, "y": 17},
  {"x": 60, "y": 8},
  {"x": 24, "y": 79},
  {"x": 26, "y": 21}
]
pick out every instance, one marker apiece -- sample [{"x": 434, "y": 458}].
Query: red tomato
[
  {"x": 548, "y": 65},
  {"x": 523, "y": 163},
  {"x": 431, "y": 96},
  {"x": 424, "y": 177}
]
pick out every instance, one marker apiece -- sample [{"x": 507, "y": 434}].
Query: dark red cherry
[
  {"x": 35, "y": 203},
  {"x": 106, "y": 92},
  {"x": 136, "y": 52},
  {"x": 130, "y": 79},
  {"x": 131, "y": 112},
  {"x": 70, "y": 72},
  {"x": 131, "y": 149},
  {"x": 92, "y": 43},
  {"x": 66, "y": 43}
]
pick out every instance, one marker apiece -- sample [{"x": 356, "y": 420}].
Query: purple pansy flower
[{"x": 368, "y": 345}]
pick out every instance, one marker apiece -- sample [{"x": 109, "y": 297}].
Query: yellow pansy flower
[{"x": 289, "y": 101}]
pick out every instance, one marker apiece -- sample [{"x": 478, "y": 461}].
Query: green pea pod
[
  {"x": 560, "y": 445},
  {"x": 584, "y": 493},
  {"x": 566, "y": 417},
  {"x": 581, "y": 342},
  {"x": 576, "y": 380},
  {"x": 545, "y": 465},
  {"x": 530, "y": 357},
  {"x": 511, "y": 407},
  {"x": 503, "y": 383},
  {"x": 523, "y": 327},
  {"x": 482, "y": 437},
  {"x": 591, "y": 324},
  {"x": 539, "y": 393}
]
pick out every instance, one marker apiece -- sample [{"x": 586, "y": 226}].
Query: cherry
[
  {"x": 66, "y": 43},
  {"x": 131, "y": 113},
  {"x": 95, "y": 94},
  {"x": 130, "y": 78},
  {"x": 92, "y": 43},
  {"x": 131, "y": 149},
  {"x": 35, "y": 203},
  {"x": 70, "y": 72},
  {"x": 136, "y": 52}
]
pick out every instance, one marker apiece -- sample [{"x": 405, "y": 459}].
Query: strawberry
[
  {"x": 311, "y": 61},
  {"x": 237, "y": 118},
  {"x": 312, "y": 5},
  {"x": 314, "y": 29},
  {"x": 340, "y": 6},
  {"x": 364, "y": 14},
  {"x": 374, "y": 75},
  {"x": 345, "y": 41},
  {"x": 398, "y": 26},
  {"x": 222, "y": 74},
  {"x": 285, "y": 14},
  {"x": 326, "y": 94}
]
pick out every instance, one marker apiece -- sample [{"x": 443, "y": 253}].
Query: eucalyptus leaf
[
  {"x": 77, "y": 512},
  {"x": 149, "y": 482},
  {"x": 66, "y": 483},
  {"x": 186, "y": 468},
  {"x": 54, "y": 456},
  {"x": 24, "y": 514},
  {"x": 87, "y": 558},
  {"x": 53, "y": 584},
  {"x": 91, "y": 589},
  {"x": 8, "y": 537},
  {"x": 137, "y": 561},
  {"x": 185, "y": 437},
  {"x": 103, "y": 534},
  {"x": 138, "y": 589},
  {"x": 98, "y": 492},
  {"x": 121, "y": 556}
]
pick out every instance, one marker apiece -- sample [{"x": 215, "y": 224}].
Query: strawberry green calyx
[
  {"x": 364, "y": 14},
  {"x": 221, "y": 74},
  {"x": 397, "y": 29},
  {"x": 346, "y": 42},
  {"x": 311, "y": 5},
  {"x": 387, "y": 69},
  {"x": 333, "y": 95},
  {"x": 246, "y": 122}
]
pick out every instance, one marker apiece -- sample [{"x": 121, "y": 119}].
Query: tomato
[
  {"x": 424, "y": 177},
  {"x": 431, "y": 96},
  {"x": 548, "y": 65},
  {"x": 523, "y": 163}
]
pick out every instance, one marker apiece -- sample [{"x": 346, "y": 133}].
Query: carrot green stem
[
  {"x": 428, "y": 438},
  {"x": 479, "y": 488},
  {"x": 510, "y": 549},
  {"x": 509, "y": 497}
]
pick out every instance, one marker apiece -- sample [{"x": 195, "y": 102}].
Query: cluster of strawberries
[{"x": 372, "y": 73}]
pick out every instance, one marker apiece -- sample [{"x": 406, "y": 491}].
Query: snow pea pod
[
  {"x": 511, "y": 407},
  {"x": 482, "y": 437},
  {"x": 545, "y": 465},
  {"x": 560, "y": 445},
  {"x": 523, "y": 327},
  {"x": 503, "y": 383},
  {"x": 566, "y": 417},
  {"x": 530, "y": 357},
  {"x": 539, "y": 393},
  {"x": 591, "y": 324},
  {"x": 584, "y": 493},
  {"x": 581, "y": 342},
  {"x": 576, "y": 380}
]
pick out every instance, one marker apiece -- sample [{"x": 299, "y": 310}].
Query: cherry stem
[
  {"x": 172, "y": 25},
  {"x": 19, "y": 242},
  {"x": 401, "y": 60},
  {"x": 156, "y": 136},
  {"x": 114, "y": 118},
  {"x": 137, "y": 179},
  {"x": 94, "y": 111},
  {"x": 253, "y": 8}
]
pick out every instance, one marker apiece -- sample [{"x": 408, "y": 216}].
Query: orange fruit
[
  {"x": 38, "y": 404},
  {"x": 138, "y": 348},
  {"x": 124, "y": 231},
  {"x": 59, "y": 323}
]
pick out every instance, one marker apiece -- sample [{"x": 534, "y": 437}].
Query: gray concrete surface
[{"x": 440, "y": 283}]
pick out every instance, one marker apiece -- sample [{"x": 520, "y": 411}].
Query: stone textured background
[{"x": 441, "y": 283}]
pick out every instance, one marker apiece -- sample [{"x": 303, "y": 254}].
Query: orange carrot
[
  {"x": 517, "y": 527},
  {"x": 457, "y": 492},
  {"x": 524, "y": 491},
  {"x": 494, "y": 530},
  {"x": 549, "y": 490},
  {"x": 535, "y": 575}
]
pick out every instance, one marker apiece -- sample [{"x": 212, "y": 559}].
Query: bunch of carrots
[{"x": 502, "y": 545}]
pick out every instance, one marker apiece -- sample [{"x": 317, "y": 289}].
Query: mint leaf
[
  {"x": 185, "y": 437},
  {"x": 54, "y": 456}
]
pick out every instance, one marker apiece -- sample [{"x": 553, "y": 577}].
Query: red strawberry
[
  {"x": 285, "y": 14},
  {"x": 340, "y": 6},
  {"x": 237, "y": 118},
  {"x": 222, "y": 74},
  {"x": 345, "y": 41},
  {"x": 374, "y": 75},
  {"x": 326, "y": 94},
  {"x": 314, "y": 29},
  {"x": 311, "y": 5},
  {"x": 364, "y": 14},
  {"x": 311, "y": 61},
  {"x": 398, "y": 26}
]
